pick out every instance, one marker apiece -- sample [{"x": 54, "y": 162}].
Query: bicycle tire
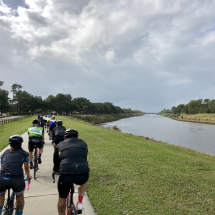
[
  {"x": 6, "y": 213},
  {"x": 12, "y": 203},
  {"x": 35, "y": 163}
]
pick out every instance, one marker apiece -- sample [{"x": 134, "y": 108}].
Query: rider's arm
[{"x": 26, "y": 166}]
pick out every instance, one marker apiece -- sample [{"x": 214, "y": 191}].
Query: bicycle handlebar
[{"x": 28, "y": 179}]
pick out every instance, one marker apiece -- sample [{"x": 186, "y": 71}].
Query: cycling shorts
[
  {"x": 17, "y": 184},
  {"x": 52, "y": 127},
  {"x": 58, "y": 139},
  {"x": 35, "y": 142},
  {"x": 47, "y": 123},
  {"x": 65, "y": 182}
]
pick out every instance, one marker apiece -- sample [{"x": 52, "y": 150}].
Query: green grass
[
  {"x": 132, "y": 175},
  {"x": 101, "y": 118},
  {"x": 17, "y": 127}
]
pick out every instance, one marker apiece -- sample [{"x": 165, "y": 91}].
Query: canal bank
[{"x": 131, "y": 175}]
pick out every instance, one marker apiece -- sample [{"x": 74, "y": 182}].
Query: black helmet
[
  {"x": 35, "y": 121},
  {"x": 71, "y": 133},
  {"x": 59, "y": 122},
  {"x": 16, "y": 139}
]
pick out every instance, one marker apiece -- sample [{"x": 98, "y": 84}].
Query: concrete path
[{"x": 42, "y": 197}]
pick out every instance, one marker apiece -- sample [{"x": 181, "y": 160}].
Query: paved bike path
[{"x": 42, "y": 197}]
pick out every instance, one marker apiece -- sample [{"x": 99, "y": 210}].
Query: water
[{"x": 198, "y": 136}]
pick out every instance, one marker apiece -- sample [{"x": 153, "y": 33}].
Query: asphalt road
[{"x": 42, "y": 197}]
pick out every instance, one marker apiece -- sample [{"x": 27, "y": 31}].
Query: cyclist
[
  {"x": 36, "y": 137},
  {"x": 41, "y": 123},
  {"x": 58, "y": 133},
  {"x": 70, "y": 160},
  {"x": 11, "y": 173},
  {"x": 48, "y": 122},
  {"x": 45, "y": 121},
  {"x": 52, "y": 125}
]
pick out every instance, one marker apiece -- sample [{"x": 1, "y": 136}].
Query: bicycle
[
  {"x": 10, "y": 204},
  {"x": 70, "y": 206},
  {"x": 35, "y": 165}
]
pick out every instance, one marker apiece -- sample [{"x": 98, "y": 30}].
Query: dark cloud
[{"x": 147, "y": 55}]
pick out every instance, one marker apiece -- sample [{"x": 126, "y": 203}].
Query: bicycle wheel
[{"x": 35, "y": 162}]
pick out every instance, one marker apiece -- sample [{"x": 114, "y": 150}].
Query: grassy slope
[
  {"x": 131, "y": 175},
  {"x": 17, "y": 127}
]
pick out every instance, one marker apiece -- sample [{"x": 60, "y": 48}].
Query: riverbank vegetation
[
  {"x": 24, "y": 103},
  {"x": 195, "y": 111},
  {"x": 132, "y": 175},
  {"x": 193, "y": 107},
  {"x": 102, "y": 118}
]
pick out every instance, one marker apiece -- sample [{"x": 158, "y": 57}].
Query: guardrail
[{"x": 6, "y": 121}]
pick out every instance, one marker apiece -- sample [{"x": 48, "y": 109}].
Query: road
[{"x": 42, "y": 197}]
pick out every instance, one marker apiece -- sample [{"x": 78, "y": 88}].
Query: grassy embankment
[
  {"x": 102, "y": 118},
  {"x": 131, "y": 175},
  {"x": 17, "y": 127},
  {"x": 200, "y": 117}
]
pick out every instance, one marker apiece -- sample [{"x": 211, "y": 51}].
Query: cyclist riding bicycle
[
  {"x": 41, "y": 122},
  {"x": 11, "y": 173},
  {"x": 45, "y": 121},
  {"x": 70, "y": 160},
  {"x": 52, "y": 124},
  {"x": 58, "y": 133},
  {"x": 36, "y": 138}
]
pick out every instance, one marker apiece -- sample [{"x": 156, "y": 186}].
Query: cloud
[{"x": 140, "y": 54}]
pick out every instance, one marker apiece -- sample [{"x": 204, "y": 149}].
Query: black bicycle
[
  {"x": 70, "y": 206},
  {"x": 10, "y": 207},
  {"x": 35, "y": 160}
]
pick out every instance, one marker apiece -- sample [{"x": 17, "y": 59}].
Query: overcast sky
[{"x": 140, "y": 54}]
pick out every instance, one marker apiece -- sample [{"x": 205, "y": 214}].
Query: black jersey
[
  {"x": 71, "y": 156},
  {"x": 12, "y": 163},
  {"x": 59, "y": 131}
]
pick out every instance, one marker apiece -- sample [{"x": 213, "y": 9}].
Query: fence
[{"x": 5, "y": 121}]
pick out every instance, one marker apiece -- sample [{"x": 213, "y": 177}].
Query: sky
[{"x": 140, "y": 54}]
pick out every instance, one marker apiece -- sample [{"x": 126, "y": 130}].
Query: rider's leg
[
  {"x": 2, "y": 197},
  {"x": 30, "y": 156},
  {"x": 81, "y": 189},
  {"x": 61, "y": 206},
  {"x": 20, "y": 203}
]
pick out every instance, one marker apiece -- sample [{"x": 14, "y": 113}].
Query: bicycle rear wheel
[{"x": 35, "y": 162}]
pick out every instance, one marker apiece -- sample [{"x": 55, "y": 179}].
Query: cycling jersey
[
  {"x": 35, "y": 131},
  {"x": 12, "y": 163},
  {"x": 71, "y": 156},
  {"x": 59, "y": 131},
  {"x": 53, "y": 122}
]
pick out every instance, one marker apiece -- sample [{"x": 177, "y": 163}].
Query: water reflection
[{"x": 200, "y": 137}]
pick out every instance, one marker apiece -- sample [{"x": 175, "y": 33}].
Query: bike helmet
[
  {"x": 59, "y": 122},
  {"x": 41, "y": 117},
  {"x": 53, "y": 116},
  {"x": 16, "y": 139},
  {"x": 71, "y": 133},
  {"x": 35, "y": 121}
]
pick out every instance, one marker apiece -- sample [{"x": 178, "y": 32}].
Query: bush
[{"x": 115, "y": 128}]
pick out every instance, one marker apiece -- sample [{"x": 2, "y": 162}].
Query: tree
[{"x": 15, "y": 88}]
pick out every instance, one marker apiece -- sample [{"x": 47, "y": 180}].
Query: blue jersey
[
  {"x": 12, "y": 163},
  {"x": 53, "y": 122}
]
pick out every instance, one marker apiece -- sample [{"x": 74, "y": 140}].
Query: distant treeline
[
  {"x": 193, "y": 107},
  {"x": 25, "y": 103}
]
